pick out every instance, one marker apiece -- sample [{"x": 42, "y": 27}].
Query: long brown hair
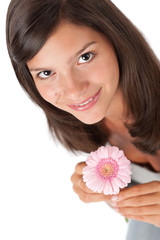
[{"x": 29, "y": 25}]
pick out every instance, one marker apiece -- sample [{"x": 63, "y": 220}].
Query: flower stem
[{"x": 126, "y": 219}]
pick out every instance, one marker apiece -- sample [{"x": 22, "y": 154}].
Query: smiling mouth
[{"x": 87, "y": 104}]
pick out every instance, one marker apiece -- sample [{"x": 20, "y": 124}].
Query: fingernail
[
  {"x": 114, "y": 198},
  {"x": 116, "y": 209},
  {"x": 114, "y": 204}
]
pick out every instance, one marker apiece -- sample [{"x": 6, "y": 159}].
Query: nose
[{"x": 72, "y": 86}]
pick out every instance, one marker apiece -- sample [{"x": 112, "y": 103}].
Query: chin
[{"x": 91, "y": 120}]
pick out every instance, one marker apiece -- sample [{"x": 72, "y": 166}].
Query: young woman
[{"x": 98, "y": 82}]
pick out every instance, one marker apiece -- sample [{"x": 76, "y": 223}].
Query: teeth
[{"x": 82, "y": 104}]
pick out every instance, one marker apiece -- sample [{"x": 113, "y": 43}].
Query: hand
[
  {"x": 84, "y": 193},
  {"x": 140, "y": 202}
]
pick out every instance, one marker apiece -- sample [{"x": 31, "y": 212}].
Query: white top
[{"x": 143, "y": 175}]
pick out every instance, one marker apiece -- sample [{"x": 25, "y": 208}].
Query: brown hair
[{"x": 29, "y": 25}]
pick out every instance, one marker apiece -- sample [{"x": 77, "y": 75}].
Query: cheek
[
  {"x": 106, "y": 69},
  {"x": 106, "y": 73},
  {"x": 48, "y": 93}
]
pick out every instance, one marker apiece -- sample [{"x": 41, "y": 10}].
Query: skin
[
  {"x": 70, "y": 79},
  {"x": 75, "y": 80}
]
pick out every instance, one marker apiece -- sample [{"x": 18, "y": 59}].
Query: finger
[
  {"x": 75, "y": 178},
  {"x": 145, "y": 200},
  {"x": 79, "y": 167},
  {"x": 153, "y": 219},
  {"x": 78, "y": 182},
  {"x": 147, "y": 210},
  {"x": 140, "y": 189},
  {"x": 89, "y": 197}
]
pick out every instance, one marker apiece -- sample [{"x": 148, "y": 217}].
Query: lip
[{"x": 91, "y": 101}]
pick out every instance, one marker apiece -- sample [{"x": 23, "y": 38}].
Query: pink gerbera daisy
[{"x": 107, "y": 170}]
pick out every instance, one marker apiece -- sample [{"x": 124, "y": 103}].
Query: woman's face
[{"x": 77, "y": 71}]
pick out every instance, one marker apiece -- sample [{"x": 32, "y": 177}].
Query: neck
[
  {"x": 117, "y": 112},
  {"x": 117, "y": 108}
]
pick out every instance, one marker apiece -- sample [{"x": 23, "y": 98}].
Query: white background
[{"x": 36, "y": 197}]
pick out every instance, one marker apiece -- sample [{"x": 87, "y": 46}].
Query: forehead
[
  {"x": 68, "y": 33},
  {"x": 67, "y": 39}
]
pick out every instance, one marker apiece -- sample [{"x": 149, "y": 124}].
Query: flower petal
[
  {"x": 120, "y": 155},
  {"x": 94, "y": 156},
  {"x": 117, "y": 182},
  {"x": 102, "y": 152},
  {"x": 107, "y": 170},
  {"x": 116, "y": 185},
  {"x": 88, "y": 170},
  {"x": 93, "y": 184},
  {"x": 92, "y": 161},
  {"x": 124, "y": 178},
  {"x": 108, "y": 188},
  {"x": 98, "y": 187},
  {"x": 125, "y": 171},
  {"x": 114, "y": 152}
]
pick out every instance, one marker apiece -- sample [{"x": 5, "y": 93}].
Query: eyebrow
[
  {"x": 75, "y": 55},
  {"x": 84, "y": 47}
]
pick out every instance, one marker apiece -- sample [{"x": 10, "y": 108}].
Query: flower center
[{"x": 107, "y": 168}]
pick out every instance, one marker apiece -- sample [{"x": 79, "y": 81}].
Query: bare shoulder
[{"x": 120, "y": 137}]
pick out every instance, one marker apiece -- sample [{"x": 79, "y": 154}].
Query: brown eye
[
  {"x": 45, "y": 74},
  {"x": 85, "y": 57}
]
